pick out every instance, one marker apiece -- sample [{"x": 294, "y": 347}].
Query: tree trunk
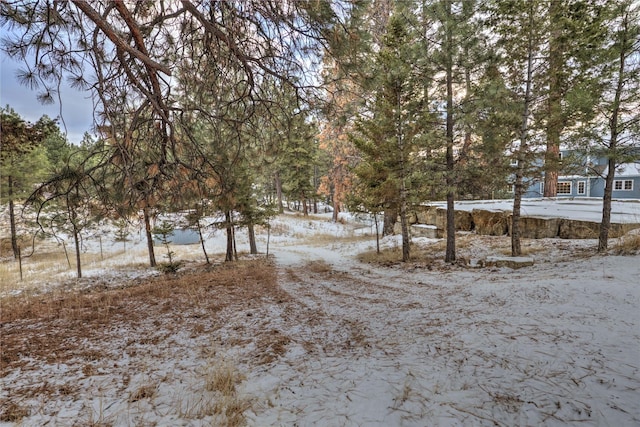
[
  {"x": 12, "y": 220},
  {"x": 76, "y": 239},
  {"x": 229, "y": 226},
  {"x": 554, "y": 102},
  {"x": 406, "y": 255},
  {"x": 450, "y": 254},
  {"x": 605, "y": 224},
  {"x": 305, "y": 207},
  {"x": 147, "y": 229},
  {"x": 390, "y": 218},
  {"x": 206, "y": 256},
  {"x": 375, "y": 220},
  {"x": 76, "y": 233},
  {"x": 516, "y": 249},
  {"x": 252, "y": 240},
  {"x": 406, "y": 244},
  {"x": 278, "y": 184}
]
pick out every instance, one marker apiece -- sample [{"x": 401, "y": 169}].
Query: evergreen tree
[
  {"x": 520, "y": 36},
  {"x": 23, "y": 161},
  {"x": 613, "y": 129},
  {"x": 388, "y": 136},
  {"x": 574, "y": 30}
]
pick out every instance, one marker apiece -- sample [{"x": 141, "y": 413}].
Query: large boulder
[
  {"x": 424, "y": 230},
  {"x": 537, "y": 227},
  {"x": 492, "y": 223},
  {"x": 426, "y": 214},
  {"x": 577, "y": 229},
  {"x": 434, "y": 215}
]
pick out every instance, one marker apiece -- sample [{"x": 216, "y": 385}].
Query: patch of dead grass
[
  {"x": 62, "y": 325},
  {"x": 319, "y": 266},
  {"x": 627, "y": 245},
  {"x": 12, "y": 412}
]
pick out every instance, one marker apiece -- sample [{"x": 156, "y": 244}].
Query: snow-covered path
[{"x": 375, "y": 346}]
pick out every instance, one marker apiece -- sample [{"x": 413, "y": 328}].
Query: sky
[{"x": 76, "y": 109}]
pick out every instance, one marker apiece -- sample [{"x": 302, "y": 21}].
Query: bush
[
  {"x": 628, "y": 245},
  {"x": 169, "y": 267}
]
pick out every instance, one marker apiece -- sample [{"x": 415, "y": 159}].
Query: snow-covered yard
[{"x": 315, "y": 337}]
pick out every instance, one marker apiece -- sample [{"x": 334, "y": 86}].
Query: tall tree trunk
[
  {"x": 605, "y": 224},
  {"x": 229, "y": 227},
  {"x": 400, "y": 137},
  {"x": 278, "y": 184},
  {"x": 555, "y": 121},
  {"x": 516, "y": 249},
  {"x": 375, "y": 220},
  {"x": 389, "y": 222},
  {"x": 147, "y": 229},
  {"x": 76, "y": 233},
  {"x": 450, "y": 253},
  {"x": 252, "y": 239},
  {"x": 76, "y": 239},
  {"x": 305, "y": 207},
  {"x": 12, "y": 220},
  {"x": 204, "y": 250}
]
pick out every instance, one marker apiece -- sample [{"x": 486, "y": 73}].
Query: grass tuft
[
  {"x": 13, "y": 413},
  {"x": 628, "y": 245},
  {"x": 147, "y": 391},
  {"x": 222, "y": 377}
]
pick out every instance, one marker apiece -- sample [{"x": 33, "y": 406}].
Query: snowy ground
[{"x": 337, "y": 342}]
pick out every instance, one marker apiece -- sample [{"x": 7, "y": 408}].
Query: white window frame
[
  {"x": 582, "y": 187},
  {"x": 570, "y": 188},
  {"x": 514, "y": 162},
  {"x": 623, "y": 185}
]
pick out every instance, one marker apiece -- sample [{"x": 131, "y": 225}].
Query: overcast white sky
[{"x": 76, "y": 108}]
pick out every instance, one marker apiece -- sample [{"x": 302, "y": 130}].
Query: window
[
  {"x": 564, "y": 188},
  {"x": 542, "y": 188},
  {"x": 514, "y": 162},
  {"x": 582, "y": 187},
  {"x": 623, "y": 185}
]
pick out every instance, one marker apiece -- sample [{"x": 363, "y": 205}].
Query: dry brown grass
[
  {"x": 391, "y": 256},
  {"x": 76, "y": 329},
  {"x": 319, "y": 266},
  {"x": 41, "y": 326},
  {"x": 12, "y": 412},
  {"x": 146, "y": 391},
  {"x": 222, "y": 377},
  {"x": 627, "y": 245}
]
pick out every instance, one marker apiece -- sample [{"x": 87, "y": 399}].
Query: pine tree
[
  {"x": 388, "y": 136},
  {"x": 574, "y": 28},
  {"x": 23, "y": 161},
  {"x": 614, "y": 129}
]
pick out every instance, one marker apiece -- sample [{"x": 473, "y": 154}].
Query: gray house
[{"x": 590, "y": 183}]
